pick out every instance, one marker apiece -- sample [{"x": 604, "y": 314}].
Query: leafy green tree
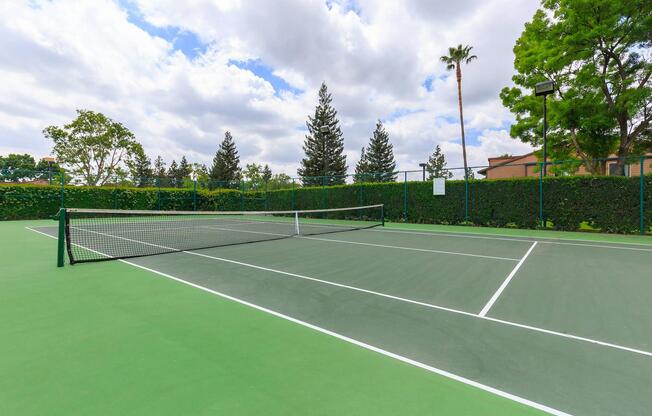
[
  {"x": 362, "y": 168},
  {"x": 379, "y": 156},
  {"x": 50, "y": 170},
  {"x": 17, "y": 167},
  {"x": 141, "y": 170},
  {"x": 325, "y": 161},
  {"x": 436, "y": 166},
  {"x": 253, "y": 176},
  {"x": 267, "y": 173},
  {"x": 454, "y": 59},
  {"x": 597, "y": 52},
  {"x": 93, "y": 146},
  {"x": 280, "y": 181},
  {"x": 226, "y": 163}
]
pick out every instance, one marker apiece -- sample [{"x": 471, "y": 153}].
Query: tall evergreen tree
[
  {"x": 185, "y": 169},
  {"x": 362, "y": 168},
  {"x": 380, "y": 155},
  {"x": 436, "y": 165},
  {"x": 173, "y": 174},
  {"x": 325, "y": 161},
  {"x": 267, "y": 173},
  {"x": 226, "y": 163},
  {"x": 160, "y": 173},
  {"x": 141, "y": 170}
]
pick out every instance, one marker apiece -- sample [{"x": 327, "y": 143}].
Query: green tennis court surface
[{"x": 393, "y": 320}]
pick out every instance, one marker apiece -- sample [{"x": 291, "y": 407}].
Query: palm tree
[{"x": 453, "y": 61}]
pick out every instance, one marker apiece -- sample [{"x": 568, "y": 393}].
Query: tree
[
  {"x": 436, "y": 165},
  {"x": 253, "y": 176},
  {"x": 454, "y": 61},
  {"x": 362, "y": 168},
  {"x": 159, "y": 167},
  {"x": 16, "y": 167},
  {"x": 173, "y": 174},
  {"x": 93, "y": 146},
  {"x": 325, "y": 161},
  {"x": 141, "y": 170},
  {"x": 183, "y": 173},
  {"x": 598, "y": 55},
  {"x": 380, "y": 156},
  {"x": 267, "y": 173},
  {"x": 226, "y": 163},
  {"x": 280, "y": 181}
]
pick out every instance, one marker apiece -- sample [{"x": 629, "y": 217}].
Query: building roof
[{"x": 507, "y": 161}]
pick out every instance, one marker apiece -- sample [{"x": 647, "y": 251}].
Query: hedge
[{"x": 606, "y": 203}]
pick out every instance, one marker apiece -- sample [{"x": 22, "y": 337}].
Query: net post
[
  {"x": 641, "y": 202},
  {"x": 296, "y": 223},
  {"x": 61, "y": 237}
]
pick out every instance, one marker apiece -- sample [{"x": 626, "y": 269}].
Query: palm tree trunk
[{"x": 458, "y": 73}]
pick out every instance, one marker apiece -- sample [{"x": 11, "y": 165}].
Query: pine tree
[
  {"x": 436, "y": 166},
  {"x": 380, "y": 155},
  {"x": 267, "y": 173},
  {"x": 184, "y": 171},
  {"x": 226, "y": 163},
  {"x": 160, "y": 173},
  {"x": 173, "y": 174},
  {"x": 325, "y": 161},
  {"x": 141, "y": 170},
  {"x": 362, "y": 168}
]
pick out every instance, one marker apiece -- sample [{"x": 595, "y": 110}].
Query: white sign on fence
[{"x": 439, "y": 186}]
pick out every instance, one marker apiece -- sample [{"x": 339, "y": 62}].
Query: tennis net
[{"x": 97, "y": 235}]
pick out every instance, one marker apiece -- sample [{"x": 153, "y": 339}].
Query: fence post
[
  {"x": 293, "y": 196},
  {"x": 642, "y": 195},
  {"x": 541, "y": 195},
  {"x": 405, "y": 201},
  {"x": 242, "y": 188},
  {"x": 466, "y": 197},
  {"x": 194, "y": 195},
  {"x": 158, "y": 194},
  {"x": 62, "y": 202}
]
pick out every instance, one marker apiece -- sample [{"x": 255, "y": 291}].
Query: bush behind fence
[{"x": 605, "y": 203}]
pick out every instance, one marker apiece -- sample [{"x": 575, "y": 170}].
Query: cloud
[{"x": 178, "y": 74}]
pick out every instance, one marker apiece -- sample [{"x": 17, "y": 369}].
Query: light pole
[
  {"x": 544, "y": 88},
  {"x": 423, "y": 168},
  {"x": 50, "y": 161}
]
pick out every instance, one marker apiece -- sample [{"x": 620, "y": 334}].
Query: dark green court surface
[{"x": 394, "y": 320}]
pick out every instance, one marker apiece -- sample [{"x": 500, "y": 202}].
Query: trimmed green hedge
[{"x": 606, "y": 203}]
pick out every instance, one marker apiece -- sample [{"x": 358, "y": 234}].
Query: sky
[{"x": 179, "y": 74}]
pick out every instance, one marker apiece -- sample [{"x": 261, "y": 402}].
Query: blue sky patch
[
  {"x": 182, "y": 40},
  {"x": 258, "y": 68},
  {"x": 402, "y": 112}
]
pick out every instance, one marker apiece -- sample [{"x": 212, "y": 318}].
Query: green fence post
[
  {"x": 293, "y": 196},
  {"x": 194, "y": 195},
  {"x": 405, "y": 201},
  {"x": 266, "y": 190},
  {"x": 642, "y": 195},
  {"x": 541, "y": 195},
  {"x": 61, "y": 239},
  {"x": 242, "y": 188},
  {"x": 158, "y": 194},
  {"x": 62, "y": 196},
  {"x": 466, "y": 197}
]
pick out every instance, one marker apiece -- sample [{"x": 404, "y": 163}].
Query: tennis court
[{"x": 419, "y": 319}]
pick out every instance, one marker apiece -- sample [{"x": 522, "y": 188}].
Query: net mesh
[{"x": 97, "y": 235}]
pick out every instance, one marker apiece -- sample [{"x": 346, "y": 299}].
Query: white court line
[
  {"x": 521, "y": 239},
  {"x": 508, "y": 279},
  {"x": 350, "y": 340},
  {"x": 388, "y": 296},
  {"x": 410, "y": 248}
]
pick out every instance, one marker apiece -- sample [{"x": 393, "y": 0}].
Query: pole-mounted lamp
[
  {"x": 545, "y": 88},
  {"x": 50, "y": 160},
  {"x": 423, "y": 168}
]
